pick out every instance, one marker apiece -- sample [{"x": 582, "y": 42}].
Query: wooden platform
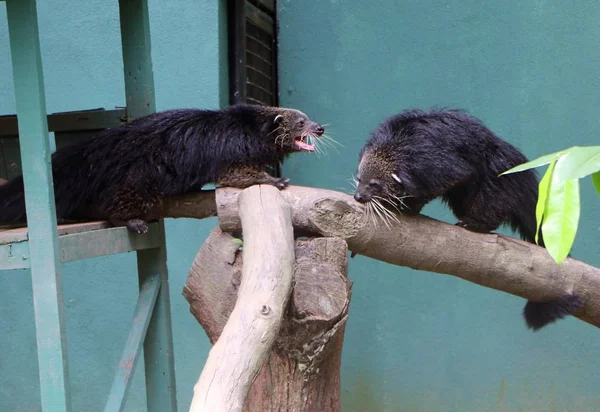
[{"x": 77, "y": 241}]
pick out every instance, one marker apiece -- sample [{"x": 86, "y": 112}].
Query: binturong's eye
[
  {"x": 375, "y": 183},
  {"x": 300, "y": 124}
]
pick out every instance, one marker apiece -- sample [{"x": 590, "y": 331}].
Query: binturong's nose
[
  {"x": 319, "y": 130},
  {"x": 358, "y": 197}
]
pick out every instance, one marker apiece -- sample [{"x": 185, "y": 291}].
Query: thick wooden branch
[
  {"x": 494, "y": 261},
  {"x": 247, "y": 338},
  {"x": 302, "y": 371},
  {"x": 198, "y": 205}
]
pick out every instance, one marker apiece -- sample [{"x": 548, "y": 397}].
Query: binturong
[
  {"x": 416, "y": 156},
  {"x": 122, "y": 173}
]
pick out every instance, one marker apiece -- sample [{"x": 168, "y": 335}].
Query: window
[
  {"x": 252, "y": 26},
  {"x": 253, "y": 52}
]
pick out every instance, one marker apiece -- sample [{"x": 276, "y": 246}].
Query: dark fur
[
  {"x": 123, "y": 172},
  {"x": 452, "y": 155}
]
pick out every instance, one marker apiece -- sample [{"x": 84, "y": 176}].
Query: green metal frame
[
  {"x": 96, "y": 240},
  {"x": 43, "y": 246}
]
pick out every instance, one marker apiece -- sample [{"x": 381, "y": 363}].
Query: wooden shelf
[{"x": 76, "y": 242}]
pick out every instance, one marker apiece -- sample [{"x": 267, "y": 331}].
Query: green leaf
[
  {"x": 596, "y": 182},
  {"x": 561, "y": 216},
  {"x": 543, "y": 190},
  {"x": 238, "y": 241},
  {"x": 580, "y": 162},
  {"x": 540, "y": 161}
]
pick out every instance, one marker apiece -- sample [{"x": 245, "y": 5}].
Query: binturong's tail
[
  {"x": 539, "y": 314},
  {"x": 12, "y": 201}
]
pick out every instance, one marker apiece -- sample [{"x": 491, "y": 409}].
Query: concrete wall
[
  {"x": 418, "y": 341},
  {"x": 83, "y": 70}
]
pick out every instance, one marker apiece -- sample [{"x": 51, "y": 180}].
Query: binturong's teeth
[{"x": 300, "y": 143}]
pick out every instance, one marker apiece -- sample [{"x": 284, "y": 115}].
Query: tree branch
[
  {"x": 494, "y": 261},
  {"x": 247, "y": 338},
  {"x": 302, "y": 371}
]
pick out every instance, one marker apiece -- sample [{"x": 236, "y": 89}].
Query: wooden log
[
  {"x": 302, "y": 371},
  {"x": 247, "y": 338},
  {"x": 419, "y": 242}
]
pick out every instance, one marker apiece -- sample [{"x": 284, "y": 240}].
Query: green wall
[
  {"x": 83, "y": 70},
  {"x": 415, "y": 341},
  {"x": 418, "y": 341}
]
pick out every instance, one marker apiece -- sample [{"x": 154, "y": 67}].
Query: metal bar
[
  {"x": 133, "y": 345},
  {"x": 260, "y": 88},
  {"x": 139, "y": 87},
  {"x": 260, "y": 102},
  {"x": 258, "y": 41},
  {"x": 258, "y": 57},
  {"x": 39, "y": 200},
  {"x": 260, "y": 73}
]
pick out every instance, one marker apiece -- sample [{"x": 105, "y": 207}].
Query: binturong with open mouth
[
  {"x": 417, "y": 156},
  {"x": 124, "y": 172}
]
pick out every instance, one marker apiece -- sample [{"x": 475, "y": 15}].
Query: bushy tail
[
  {"x": 12, "y": 201},
  {"x": 539, "y": 314}
]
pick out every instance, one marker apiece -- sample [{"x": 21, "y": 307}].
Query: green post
[
  {"x": 137, "y": 61},
  {"x": 39, "y": 198},
  {"x": 159, "y": 359},
  {"x": 139, "y": 88}
]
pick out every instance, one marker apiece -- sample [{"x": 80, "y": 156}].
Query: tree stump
[{"x": 302, "y": 370}]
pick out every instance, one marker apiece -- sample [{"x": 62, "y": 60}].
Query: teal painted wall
[
  {"x": 415, "y": 341},
  {"x": 83, "y": 70},
  {"x": 418, "y": 341}
]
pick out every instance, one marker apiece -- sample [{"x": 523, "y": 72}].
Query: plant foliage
[{"x": 558, "y": 206}]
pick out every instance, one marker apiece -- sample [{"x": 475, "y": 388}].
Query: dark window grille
[{"x": 252, "y": 32}]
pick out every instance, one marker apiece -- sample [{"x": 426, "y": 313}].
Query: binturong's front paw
[
  {"x": 281, "y": 183},
  {"x": 138, "y": 226}
]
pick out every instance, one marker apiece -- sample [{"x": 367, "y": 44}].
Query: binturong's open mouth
[
  {"x": 308, "y": 138},
  {"x": 300, "y": 144}
]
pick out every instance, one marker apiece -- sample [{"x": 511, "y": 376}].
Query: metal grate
[
  {"x": 253, "y": 54},
  {"x": 260, "y": 87}
]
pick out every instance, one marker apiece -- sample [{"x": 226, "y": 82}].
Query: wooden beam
[
  {"x": 79, "y": 120},
  {"x": 39, "y": 199},
  {"x": 77, "y": 243}
]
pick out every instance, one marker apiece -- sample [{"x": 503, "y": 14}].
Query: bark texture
[
  {"x": 494, "y": 261},
  {"x": 254, "y": 323},
  {"x": 302, "y": 371}
]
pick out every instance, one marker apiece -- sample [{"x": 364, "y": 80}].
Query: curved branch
[
  {"x": 302, "y": 370},
  {"x": 247, "y": 337},
  {"x": 494, "y": 261}
]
